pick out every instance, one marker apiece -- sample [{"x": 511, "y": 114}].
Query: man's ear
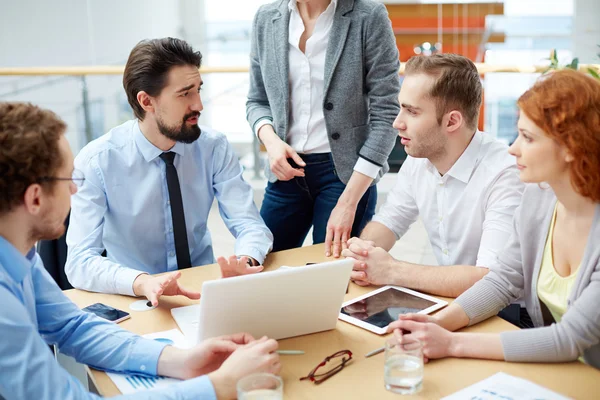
[
  {"x": 33, "y": 199},
  {"x": 453, "y": 121},
  {"x": 145, "y": 100}
]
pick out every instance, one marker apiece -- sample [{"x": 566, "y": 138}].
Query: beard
[
  {"x": 50, "y": 227},
  {"x": 183, "y": 133}
]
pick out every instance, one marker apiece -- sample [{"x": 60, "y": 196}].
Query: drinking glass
[{"x": 403, "y": 371}]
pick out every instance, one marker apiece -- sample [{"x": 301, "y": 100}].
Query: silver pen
[
  {"x": 290, "y": 352},
  {"x": 376, "y": 351}
]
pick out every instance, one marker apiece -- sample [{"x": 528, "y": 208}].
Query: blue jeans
[{"x": 290, "y": 208}]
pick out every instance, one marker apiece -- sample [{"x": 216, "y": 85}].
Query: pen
[
  {"x": 290, "y": 352},
  {"x": 376, "y": 351}
]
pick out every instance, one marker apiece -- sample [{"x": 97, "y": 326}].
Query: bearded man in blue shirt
[
  {"x": 37, "y": 180},
  {"x": 150, "y": 183}
]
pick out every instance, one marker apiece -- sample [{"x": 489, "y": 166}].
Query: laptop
[{"x": 287, "y": 302}]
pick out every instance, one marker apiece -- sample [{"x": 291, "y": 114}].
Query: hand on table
[
  {"x": 153, "y": 287},
  {"x": 256, "y": 356},
  {"x": 372, "y": 265},
  {"x": 234, "y": 266},
  {"x": 339, "y": 228}
]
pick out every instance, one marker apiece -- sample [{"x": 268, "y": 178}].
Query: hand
[
  {"x": 279, "y": 152},
  {"x": 339, "y": 228},
  {"x": 437, "y": 342},
  {"x": 235, "y": 267},
  {"x": 422, "y": 318},
  {"x": 203, "y": 358},
  {"x": 152, "y": 287},
  {"x": 257, "y": 356},
  {"x": 372, "y": 265}
]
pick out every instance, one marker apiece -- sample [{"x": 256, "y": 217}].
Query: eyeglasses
[
  {"x": 338, "y": 362},
  {"x": 77, "y": 178}
]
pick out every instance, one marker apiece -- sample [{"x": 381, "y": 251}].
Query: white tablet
[{"x": 375, "y": 310}]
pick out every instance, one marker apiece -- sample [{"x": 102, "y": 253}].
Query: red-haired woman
[{"x": 552, "y": 260}]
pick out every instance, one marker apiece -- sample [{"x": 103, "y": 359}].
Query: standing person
[
  {"x": 37, "y": 181},
  {"x": 150, "y": 183},
  {"x": 322, "y": 99},
  {"x": 553, "y": 256}
]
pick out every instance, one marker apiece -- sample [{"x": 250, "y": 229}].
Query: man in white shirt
[{"x": 462, "y": 182}]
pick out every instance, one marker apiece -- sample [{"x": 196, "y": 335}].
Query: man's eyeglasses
[
  {"x": 329, "y": 366},
  {"x": 77, "y": 178}
]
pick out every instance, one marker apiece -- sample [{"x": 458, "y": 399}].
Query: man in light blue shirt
[
  {"x": 132, "y": 208},
  {"x": 36, "y": 181}
]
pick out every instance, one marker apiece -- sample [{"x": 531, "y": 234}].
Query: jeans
[{"x": 291, "y": 207}]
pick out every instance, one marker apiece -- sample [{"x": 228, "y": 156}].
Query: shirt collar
[
  {"x": 13, "y": 262},
  {"x": 464, "y": 166},
  {"x": 148, "y": 150},
  {"x": 293, "y": 5}
]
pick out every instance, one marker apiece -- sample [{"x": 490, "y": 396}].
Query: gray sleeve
[
  {"x": 578, "y": 330},
  {"x": 502, "y": 285},
  {"x": 383, "y": 85},
  {"x": 257, "y": 105}
]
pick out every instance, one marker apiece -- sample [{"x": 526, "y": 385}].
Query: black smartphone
[{"x": 107, "y": 312}]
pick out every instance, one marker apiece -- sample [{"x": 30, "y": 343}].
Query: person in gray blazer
[
  {"x": 322, "y": 100},
  {"x": 553, "y": 256}
]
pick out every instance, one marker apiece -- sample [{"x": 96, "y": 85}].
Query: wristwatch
[{"x": 252, "y": 262}]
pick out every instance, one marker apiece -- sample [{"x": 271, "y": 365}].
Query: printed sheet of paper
[
  {"x": 502, "y": 386},
  {"x": 135, "y": 383}
]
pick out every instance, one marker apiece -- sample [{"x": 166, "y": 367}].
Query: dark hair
[
  {"x": 457, "y": 86},
  {"x": 28, "y": 150},
  {"x": 149, "y": 64},
  {"x": 566, "y": 106}
]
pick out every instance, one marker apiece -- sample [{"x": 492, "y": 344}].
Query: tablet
[{"x": 375, "y": 310}]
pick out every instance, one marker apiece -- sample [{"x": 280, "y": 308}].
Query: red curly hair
[{"x": 566, "y": 106}]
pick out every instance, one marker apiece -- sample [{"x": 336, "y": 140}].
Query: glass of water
[
  {"x": 261, "y": 386},
  {"x": 403, "y": 371}
]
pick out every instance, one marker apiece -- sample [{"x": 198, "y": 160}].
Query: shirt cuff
[
  {"x": 260, "y": 123},
  {"x": 144, "y": 356},
  {"x": 196, "y": 388},
  {"x": 254, "y": 253},
  {"x": 366, "y": 168},
  {"x": 125, "y": 279}
]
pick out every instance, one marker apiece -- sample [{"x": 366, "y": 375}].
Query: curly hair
[
  {"x": 29, "y": 150},
  {"x": 566, "y": 106}
]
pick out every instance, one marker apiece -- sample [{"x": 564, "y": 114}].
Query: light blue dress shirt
[
  {"x": 123, "y": 207},
  {"x": 36, "y": 313}
]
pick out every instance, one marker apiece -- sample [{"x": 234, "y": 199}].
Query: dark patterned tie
[{"x": 182, "y": 249}]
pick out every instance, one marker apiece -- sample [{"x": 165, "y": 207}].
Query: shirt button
[
  {"x": 441, "y": 219},
  {"x": 168, "y": 202},
  {"x": 446, "y": 251},
  {"x": 170, "y": 230},
  {"x": 172, "y": 254},
  {"x": 143, "y": 368}
]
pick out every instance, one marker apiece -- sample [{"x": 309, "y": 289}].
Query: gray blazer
[
  {"x": 516, "y": 273},
  {"x": 360, "y": 99}
]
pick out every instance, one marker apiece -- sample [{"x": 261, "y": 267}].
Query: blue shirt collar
[
  {"x": 148, "y": 150},
  {"x": 13, "y": 262}
]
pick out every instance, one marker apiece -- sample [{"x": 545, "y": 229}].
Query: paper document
[
  {"x": 135, "y": 383},
  {"x": 505, "y": 387}
]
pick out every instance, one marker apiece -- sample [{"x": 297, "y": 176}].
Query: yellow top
[{"x": 552, "y": 288}]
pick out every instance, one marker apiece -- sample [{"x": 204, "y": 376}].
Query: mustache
[{"x": 191, "y": 115}]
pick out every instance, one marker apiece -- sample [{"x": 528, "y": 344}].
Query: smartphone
[{"x": 107, "y": 312}]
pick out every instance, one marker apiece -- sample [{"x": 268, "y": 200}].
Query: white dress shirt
[
  {"x": 307, "y": 132},
  {"x": 468, "y": 211}
]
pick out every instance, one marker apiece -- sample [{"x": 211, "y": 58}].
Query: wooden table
[{"x": 363, "y": 377}]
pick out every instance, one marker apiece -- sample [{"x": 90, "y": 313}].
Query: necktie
[{"x": 182, "y": 249}]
